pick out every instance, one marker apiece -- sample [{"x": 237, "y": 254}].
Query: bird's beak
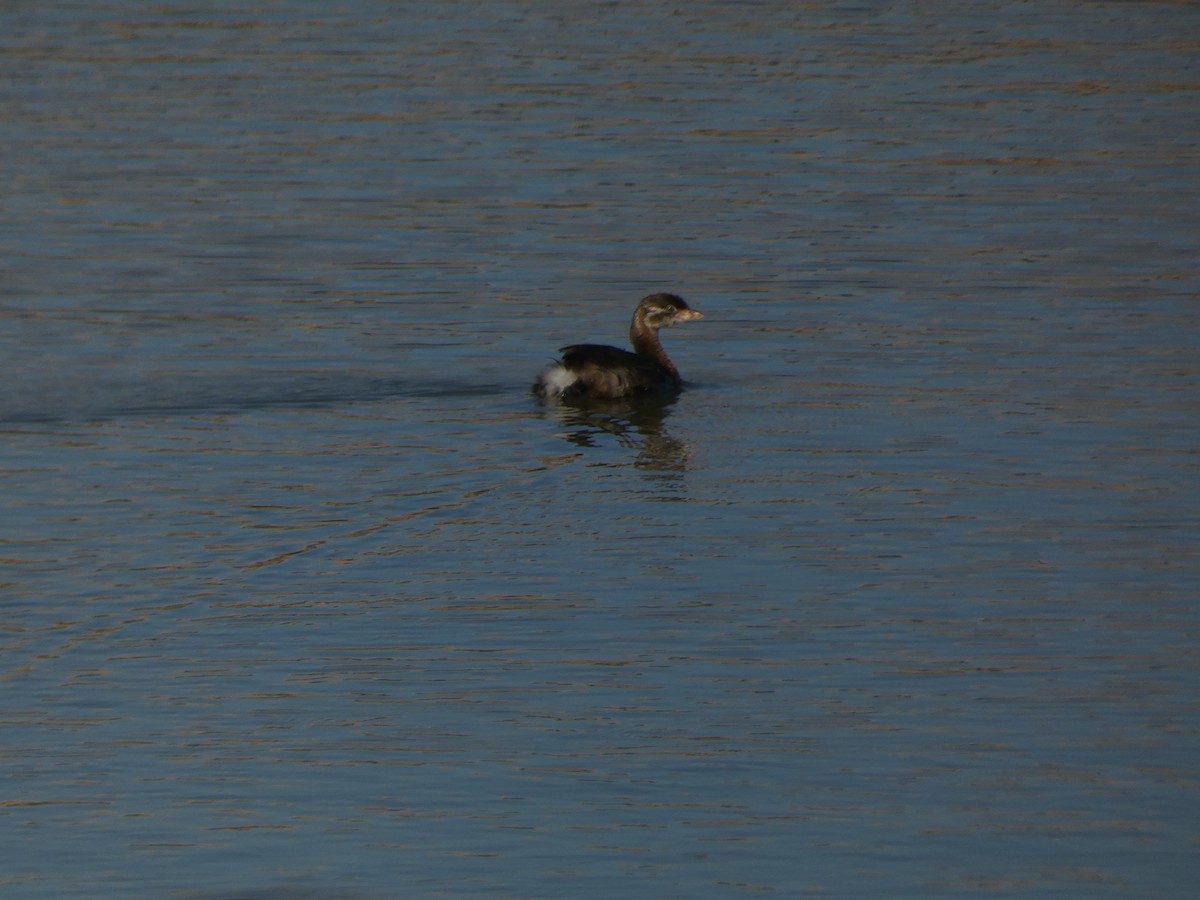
[{"x": 687, "y": 315}]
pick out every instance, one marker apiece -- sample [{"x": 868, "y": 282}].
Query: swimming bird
[{"x": 602, "y": 372}]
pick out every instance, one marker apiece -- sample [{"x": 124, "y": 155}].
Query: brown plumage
[{"x": 602, "y": 372}]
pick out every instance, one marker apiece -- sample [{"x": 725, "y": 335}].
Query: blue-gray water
[{"x": 304, "y": 596}]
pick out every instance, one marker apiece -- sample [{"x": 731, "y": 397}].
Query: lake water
[{"x": 304, "y": 596}]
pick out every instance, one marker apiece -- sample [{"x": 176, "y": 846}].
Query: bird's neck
[{"x": 646, "y": 343}]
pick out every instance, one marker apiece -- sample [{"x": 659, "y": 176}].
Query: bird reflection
[{"x": 636, "y": 423}]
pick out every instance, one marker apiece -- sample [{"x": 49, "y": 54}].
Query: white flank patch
[{"x": 557, "y": 379}]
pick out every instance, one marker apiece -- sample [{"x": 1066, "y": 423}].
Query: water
[{"x": 304, "y": 595}]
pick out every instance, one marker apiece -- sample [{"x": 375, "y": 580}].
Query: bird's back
[{"x": 597, "y": 370}]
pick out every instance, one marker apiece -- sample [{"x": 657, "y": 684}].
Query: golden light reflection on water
[{"x": 305, "y": 596}]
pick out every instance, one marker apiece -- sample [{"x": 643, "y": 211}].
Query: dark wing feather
[
  {"x": 575, "y": 355},
  {"x": 611, "y": 372}
]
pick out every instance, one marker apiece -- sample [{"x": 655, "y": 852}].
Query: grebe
[{"x": 595, "y": 370}]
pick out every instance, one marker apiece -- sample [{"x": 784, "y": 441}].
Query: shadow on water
[
  {"x": 637, "y": 423},
  {"x": 204, "y": 395}
]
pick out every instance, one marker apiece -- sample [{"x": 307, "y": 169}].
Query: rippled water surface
[{"x": 305, "y": 596}]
